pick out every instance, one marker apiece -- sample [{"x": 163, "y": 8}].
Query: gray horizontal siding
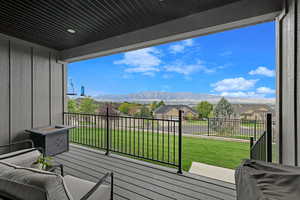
[{"x": 31, "y": 88}]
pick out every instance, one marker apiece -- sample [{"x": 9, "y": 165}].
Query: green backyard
[{"x": 227, "y": 154}]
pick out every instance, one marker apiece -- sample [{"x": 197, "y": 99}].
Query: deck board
[{"x": 139, "y": 180}]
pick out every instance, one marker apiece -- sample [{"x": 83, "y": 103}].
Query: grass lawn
[
  {"x": 248, "y": 124},
  {"x": 161, "y": 147},
  {"x": 258, "y": 125},
  {"x": 225, "y": 154}
]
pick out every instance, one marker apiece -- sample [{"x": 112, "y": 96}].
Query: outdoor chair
[
  {"x": 265, "y": 180},
  {"x": 19, "y": 181}
]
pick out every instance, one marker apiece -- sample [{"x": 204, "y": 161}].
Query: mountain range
[{"x": 186, "y": 98}]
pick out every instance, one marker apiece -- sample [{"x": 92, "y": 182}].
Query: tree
[
  {"x": 72, "y": 106},
  {"x": 161, "y": 103},
  {"x": 204, "y": 109},
  {"x": 153, "y": 106},
  {"x": 145, "y": 112},
  {"x": 221, "y": 125},
  {"x": 189, "y": 116},
  {"x": 87, "y": 105},
  {"x": 223, "y": 109},
  {"x": 125, "y": 107}
]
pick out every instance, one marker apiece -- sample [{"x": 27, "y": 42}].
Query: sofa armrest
[{"x": 97, "y": 187}]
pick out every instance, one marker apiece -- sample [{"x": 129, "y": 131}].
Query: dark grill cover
[{"x": 258, "y": 180}]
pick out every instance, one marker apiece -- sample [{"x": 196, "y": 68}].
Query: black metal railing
[
  {"x": 224, "y": 127},
  {"x": 158, "y": 140},
  {"x": 262, "y": 148}
]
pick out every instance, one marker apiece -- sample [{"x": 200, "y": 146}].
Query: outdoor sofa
[{"x": 19, "y": 181}]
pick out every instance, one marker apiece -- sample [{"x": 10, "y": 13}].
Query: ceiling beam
[{"x": 234, "y": 15}]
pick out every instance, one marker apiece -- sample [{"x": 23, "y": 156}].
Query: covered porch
[{"x": 39, "y": 39}]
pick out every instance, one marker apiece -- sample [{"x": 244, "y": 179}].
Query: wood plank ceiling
[{"x": 46, "y": 22}]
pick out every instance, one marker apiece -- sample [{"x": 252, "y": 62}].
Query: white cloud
[
  {"x": 184, "y": 69},
  {"x": 151, "y": 74},
  {"x": 263, "y": 71},
  {"x": 188, "y": 42},
  {"x": 177, "y": 48},
  {"x": 180, "y": 47},
  {"x": 188, "y": 69},
  {"x": 141, "y": 69},
  {"x": 265, "y": 90},
  {"x": 241, "y": 94},
  {"x": 226, "y": 65},
  {"x": 144, "y": 61},
  {"x": 147, "y": 57},
  {"x": 147, "y": 71},
  {"x": 226, "y": 53},
  {"x": 234, "y": 84}
]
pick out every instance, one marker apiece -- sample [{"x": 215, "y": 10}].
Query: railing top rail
[
  {"x": 175, "y": 118},
  {"x": 120, "y": 116}
]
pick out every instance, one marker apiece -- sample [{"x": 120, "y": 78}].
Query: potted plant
[{"x": 43, "y": 163}]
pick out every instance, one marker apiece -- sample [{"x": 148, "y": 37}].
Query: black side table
[{"x": 53, "y": 139}]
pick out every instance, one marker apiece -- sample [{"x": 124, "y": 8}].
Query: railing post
[
  {"x": 180, "y": 142},
  {"x": 251, "y": 145},
  {"x": 208, "y": 126},
  {"x": 107, "y": 132},
  {"x": 269, "y": 137},
  {"x": 255, "y": 122}
]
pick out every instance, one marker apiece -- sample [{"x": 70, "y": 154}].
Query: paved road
[{"x": 203, "y": 129}]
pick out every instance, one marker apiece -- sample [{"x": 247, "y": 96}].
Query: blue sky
[{"x": 238, "y": 63}]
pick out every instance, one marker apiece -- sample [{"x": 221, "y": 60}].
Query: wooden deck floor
[{"x": 139, "y": 180}]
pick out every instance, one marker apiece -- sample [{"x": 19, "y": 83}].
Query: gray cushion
[
  {"x": 24, "y": 158},
  {"x": 78, "y": 188},
  {"x": 31, "y": 184}
]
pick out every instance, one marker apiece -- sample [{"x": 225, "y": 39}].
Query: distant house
[
  {"x": 252, "y": 111},
  {"x": 134, "y": 110},
  {"x": 112, "y": 110},
  {"x": 168, "y": 111}
]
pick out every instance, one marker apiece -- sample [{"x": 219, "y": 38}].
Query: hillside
[{"x": 176, "y": 98}]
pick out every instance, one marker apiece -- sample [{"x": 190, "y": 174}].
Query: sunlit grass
[{"x": 164, "y": 147}]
